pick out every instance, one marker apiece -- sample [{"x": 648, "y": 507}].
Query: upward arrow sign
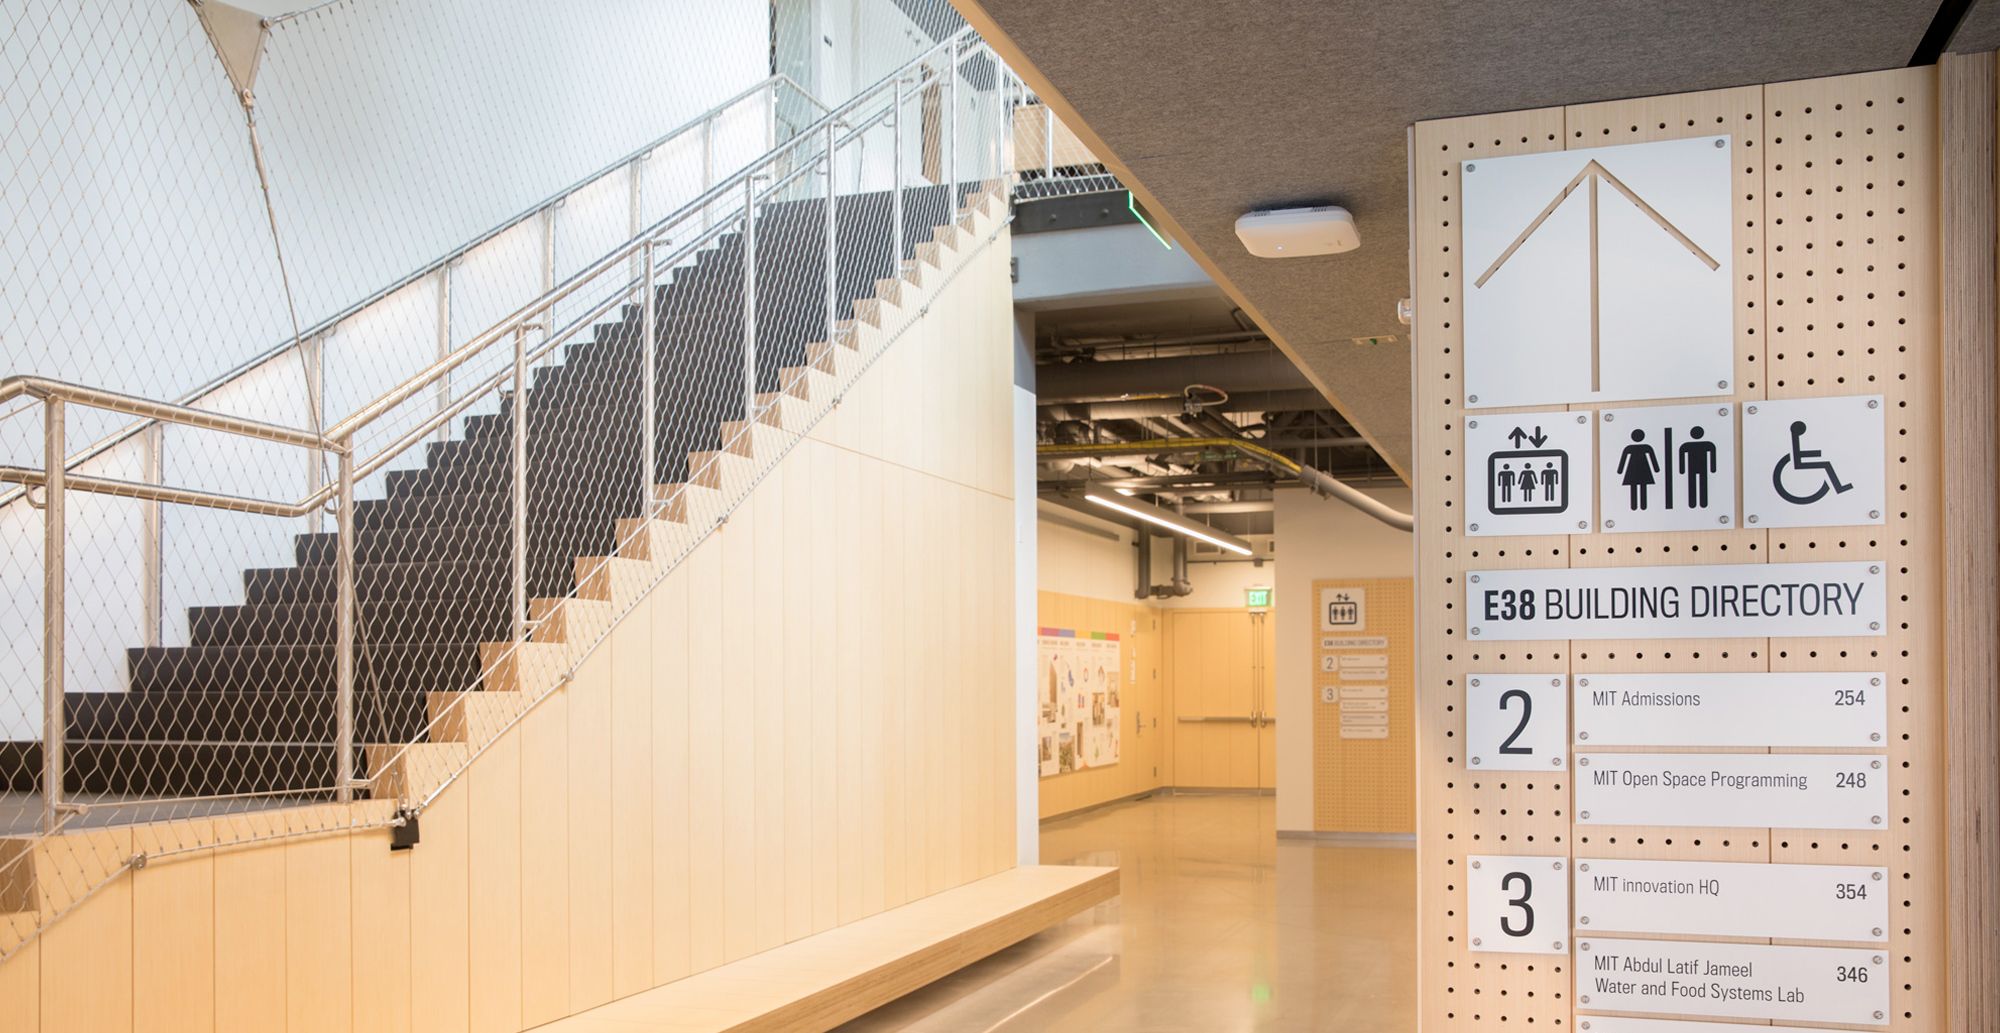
[{"x": 1591, "y": 174}]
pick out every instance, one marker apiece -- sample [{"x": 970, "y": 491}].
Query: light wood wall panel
[
  {"x": 1142, "y": 765},
  {"x": 1836, "y": 230},
  {"x": 808, "y": 721}
]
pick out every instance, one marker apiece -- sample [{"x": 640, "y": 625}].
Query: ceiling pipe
[
  {"x": 1294, "y": 400},
  {"x": 1320, "y": 483},
  {"x": 1156, "y": 378}
]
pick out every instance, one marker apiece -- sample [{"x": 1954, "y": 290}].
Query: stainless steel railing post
[
  {"x": 750, "y": 297},
  {"x": 519, "y": 465},
  {"x": 344, "y": 606},
  {"x": 833, "y": 242},
  {"x": 649, "y": 469},
  {"x": 151, "y": 556},
  {"x": 896, "y": 175},
  {"x": 1048, "y": 142},
  {"x": 54, "y": 574},
  {"x": 951, "y": 133}
]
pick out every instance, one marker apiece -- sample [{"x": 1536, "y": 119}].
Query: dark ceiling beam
[{"x": 1151, "y": 378}]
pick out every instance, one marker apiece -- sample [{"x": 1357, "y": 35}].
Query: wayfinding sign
[
  {"x": 1598, "y": 274},
  {"x": 1732, "y": 790},
  {"x": 1814, "y": 462},
  {"x": 1734, "y": 980},
  {"x": 1528, "y": 474},
  {"x": 1667, "y": 468},
  {"x": 1518, "y": 905},
  {"x": 1709, "y": 899},
  {"x": 1788, "y": 600},
  {"x": 1516, "y": 722},
  {"x": 1831, "y": 709}
]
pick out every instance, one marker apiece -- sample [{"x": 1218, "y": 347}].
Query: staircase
[{"x": 248, "y": 706}]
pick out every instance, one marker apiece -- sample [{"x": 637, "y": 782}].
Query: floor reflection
[{"x": 1221, "y": 926}]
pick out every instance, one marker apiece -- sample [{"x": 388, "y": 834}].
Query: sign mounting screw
[
  {"x": 1583, "y": 867},
  {"x": 1475, "y": 579},
  {"x": 1583, "y": 736},
  {"x": 1583, "y": 762},
  {"x": 1474, "y": 399},
  {"x": 1723, "y": 520},
  {"x": 1475, "y": 763},
  {"x": 1752, "y": 518},
  {"x": 1874, "y": 736},
  {"x": 1610, "y": 523},
  {"x": 1877, "y": 819},
  {"x": 1722, "y": 385},
  {"x": 1475, "y": 631},
  {"x": 1583, "y": 525},
  {"x": 1874, "y": 625},
  {"x": 1469, "y": 167},
  {"x": 1875, "y": 569},
  {"x": 1874, "y": 514},
  {"x": 1751, "y": 409},
  {"x": 1475, "y": 683},
  {"x": 1585, "y": 682},
  {"x": 1875, "y": 932},
  {"x": 1472, "y": 527},
  {"x": 1874, "y": 681},
  {"x": 1722, "y": 143},
  {"x": 1873, "y": 404},
  {"x": 1555, "y": 762},
  {"x": 1585, "y": 815},
  {"x": 1475, "y": 864},
  {"x": 1583, "y": 919},
  {"x": 1608, "y": 417},
  {"x": 1724, "y": 411},
  {"x": 1555, "y": 683},
  {"x": 1877, "y": 876},
  {"x": 1475, "y": 941},
  {"x": 1472, "y": 424}
]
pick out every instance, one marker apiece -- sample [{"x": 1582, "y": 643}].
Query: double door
[{"x": 1225, "y": 699}]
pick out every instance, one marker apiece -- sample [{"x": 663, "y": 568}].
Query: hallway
[{"x": 1222, "y": 926}]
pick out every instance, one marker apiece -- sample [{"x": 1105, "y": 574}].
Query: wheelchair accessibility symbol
[
  {"x": 1802, "y": 459},
  {"x": 1815, "y": 462}
]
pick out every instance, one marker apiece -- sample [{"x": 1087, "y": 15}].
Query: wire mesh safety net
[{"x": 508, "y": 196}]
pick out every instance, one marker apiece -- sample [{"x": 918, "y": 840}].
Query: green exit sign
[{"x": 1257, "y": 598}]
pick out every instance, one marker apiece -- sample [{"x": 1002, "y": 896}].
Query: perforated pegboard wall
[
  {"x": 1836, "y": 264},
  {"x": 1368, "y": 785}
]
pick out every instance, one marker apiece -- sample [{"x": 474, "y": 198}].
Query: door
[{"x": 1225, "y": 703}]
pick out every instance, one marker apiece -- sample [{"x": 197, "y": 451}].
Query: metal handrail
[
  {"x": 45, "y": 388},
  {"x": 124, "y": 434}
]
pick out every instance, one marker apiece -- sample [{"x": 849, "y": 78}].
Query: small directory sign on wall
[
  {"x": 1827, "y": 709},
  {"x": 1814, "y": 462},
  {"x": 1598, "y": 274},
  {"x": 1732, "y": 790},
  {"x": 1628, "y": 1024},
  {"x": 1516, "y": 722},
  {"x": 1734, "y": 980},
  {"x": 1711, "y": 899},
  {"x": 1756, "y": 600},
  {"x": 1667, "y": 468},
  {"x": 1518, "y": 905},
  {"x": 1528, "y": 474}
]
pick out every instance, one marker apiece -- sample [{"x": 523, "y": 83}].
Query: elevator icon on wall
[{"x": 1528, "y": 474}]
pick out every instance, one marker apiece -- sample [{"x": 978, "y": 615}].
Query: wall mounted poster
[{"x": 1077, "y": 697}]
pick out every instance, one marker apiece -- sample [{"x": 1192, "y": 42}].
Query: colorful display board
[{"x": 1077, "y": 700}]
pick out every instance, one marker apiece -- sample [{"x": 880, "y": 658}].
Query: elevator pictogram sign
[
  {"x": 1528, "y": 474},
  {"x": 1598, "y": 274}
]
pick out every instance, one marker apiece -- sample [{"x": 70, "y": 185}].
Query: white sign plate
[
  {"x": 1365, "y": 673},
  {"x": 1734, "y": 980},
  {"x": 1707, "y": 899},
  {"x": 1528, "y": 474},
  {"x": 1364, "y": 706},
  {"x": 1598, "y": 274},
  {"x": 1364, "y": 719},
  {"x": 1364, "y": 732},
  {"x": 1327, "y": 693},
  {"x": 1847, "y": 708},
  {"x": 1519, "y": 905},
  {"x": 1354, "y": 642},
  {"x": 1516, "y": 722},
  {"x": 1754, "y": 600},
  {"x": 1667, "y": 468},
  {"x": 1364, "y": 660},
  {"x": 1814, "y": 462},
  {"x": 1329, "y": 662},
  {"x": 1622, "y": 1024},
  {"x": 1364, "y": 692},
  {"x": 1343, "y": 609},
  {"x": 1732, "y": 790}
]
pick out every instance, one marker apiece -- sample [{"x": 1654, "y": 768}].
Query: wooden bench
[{"x": 819, "y": 982}]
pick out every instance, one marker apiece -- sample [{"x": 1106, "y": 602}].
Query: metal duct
[{"x": 1165, "y": 378}]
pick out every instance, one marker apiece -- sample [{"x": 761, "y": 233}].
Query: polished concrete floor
[{"x": 1221, "y": 927}]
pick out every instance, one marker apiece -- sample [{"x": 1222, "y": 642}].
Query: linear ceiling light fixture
[{"x": 1168, "y": 519}]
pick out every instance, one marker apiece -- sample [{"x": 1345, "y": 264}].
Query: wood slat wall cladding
[
  {"x": 1836, "y": 231},
  {"x": 1365, "y": 785}
]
